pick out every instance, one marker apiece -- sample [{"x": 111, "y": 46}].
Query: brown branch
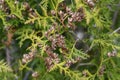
[
  {"x": 8, "y": 57},
  {"x": 7, "y": 49}
]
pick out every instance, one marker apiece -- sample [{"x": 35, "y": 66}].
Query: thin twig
[
  {"x": 116, "y": 30},
  {"x": 83, "y": 64}
]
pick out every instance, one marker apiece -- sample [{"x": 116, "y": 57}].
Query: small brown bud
[
  {"x": 24, "y": 61},
  {"x": 60, "y": 13},
  {"x": 84, "y": 73},
  {"x": 114, "y": 53},
  {"x": 109, "y": 54},
  {"x": 102, "y": 70},
  {"x": 26, "y": 6},
  {"x": 16, "y": 2},
  {"x": 70, "y": 19},
  {"x": 53, "y": 12},
  {"x": 74, "y": 15},
  {"x": 35, "y": 74},
  {"x": 2, "y": 1},
  {"x": 68, "y": 9}
]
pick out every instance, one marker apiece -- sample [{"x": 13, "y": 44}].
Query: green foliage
[
  {"x": 4, "y": 67},
  {"x": 15, "y": 8},
  {"x": 36, "y": 39},
  {"x": 5, "y": 71}
]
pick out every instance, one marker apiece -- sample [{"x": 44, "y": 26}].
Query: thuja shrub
[{"x": 59, "y": 40}]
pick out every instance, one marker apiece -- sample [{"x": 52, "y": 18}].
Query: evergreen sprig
[{"x": 43, "y": 44}]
